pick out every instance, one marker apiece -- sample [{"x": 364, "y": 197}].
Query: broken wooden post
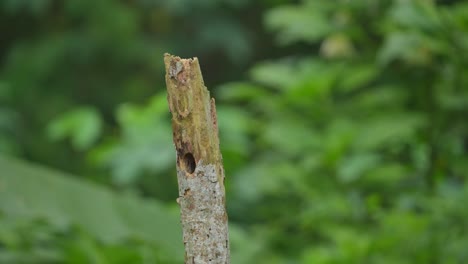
[{"x": 200, "y": 171}]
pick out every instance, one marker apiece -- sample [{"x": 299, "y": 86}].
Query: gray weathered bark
[{"x": 200, "y": 171}]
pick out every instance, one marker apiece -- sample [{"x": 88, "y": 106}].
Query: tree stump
[{"x": 200, "y": 171}]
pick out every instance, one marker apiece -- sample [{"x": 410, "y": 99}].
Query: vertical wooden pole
[{"x": 200, "y": 171}]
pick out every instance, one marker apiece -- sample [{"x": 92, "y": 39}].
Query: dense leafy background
[{"x": 343, "y": 128}]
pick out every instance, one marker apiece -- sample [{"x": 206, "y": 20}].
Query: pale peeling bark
[{"x": 200, "y": 172}]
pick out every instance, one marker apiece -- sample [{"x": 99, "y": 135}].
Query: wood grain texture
[{"x": 200, "y": 172}]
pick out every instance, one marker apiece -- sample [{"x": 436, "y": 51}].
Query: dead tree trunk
[{"x": 200, "y": 171}]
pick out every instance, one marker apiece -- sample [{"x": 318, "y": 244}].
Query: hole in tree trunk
[{"x": 188, "y": 163}]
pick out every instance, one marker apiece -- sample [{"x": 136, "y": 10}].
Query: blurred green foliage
[
  {"x": 49, "y": 217},
  {"x": 342, "y": 124}
]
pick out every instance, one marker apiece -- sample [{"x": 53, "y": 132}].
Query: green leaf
[
  {"x": 354, "y": 167},
  {"x": 320, "y": 255},
  {"x": 401, "y": 46},
  {"x": 82, "y": 126},
  {"x": 244, "y": 247},
  {"x": 388, "y": 130},
  {"x": 240, "y": 91},
  {"x": 336, "y": 141},
  {"x": 415, "y": 14},
  {"x": 387, "y": 174},
  {"x": 145, "y": 144},
  {"x": 289, "y": 136},
  {"x": 380, "y": 97},
  {"x": 277, "y": 75},
  {"x": 357, "y": 77},
  {"x": 270, "y": 177},
  {"x": 234, "y": 125},
  {"x": 313, "y": 80},
  {"x": 411, "y": 47},
  {"x": 298, "y": 23},
  {"x": 32, "y": 192}
]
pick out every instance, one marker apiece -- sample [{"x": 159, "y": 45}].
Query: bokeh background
[{"x": 343, "y": 126}]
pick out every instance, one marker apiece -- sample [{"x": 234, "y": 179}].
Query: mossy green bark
[{"x": 200, "y": 172}]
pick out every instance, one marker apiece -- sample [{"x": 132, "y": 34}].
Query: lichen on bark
[{"x": 200, "y": 172}]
